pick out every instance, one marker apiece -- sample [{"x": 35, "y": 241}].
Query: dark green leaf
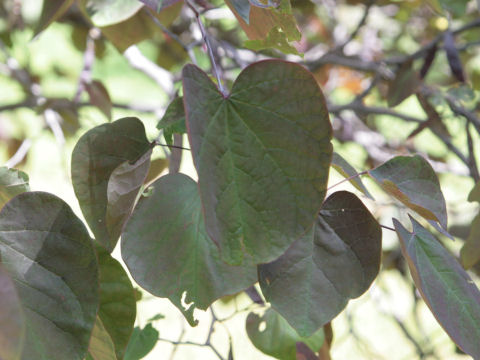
[
  {"x": 474, "y": 194},
  {"x": 46, "y": 249},
  {"x": 447, "y": 289},
  {"x": 262, "y": 155},
  {"x": 173, "y": 122},
  {"x": 99, "y": 97},
  {"x": 411, "y": 180},
  {"x": 108, "y": 12},
  {"x": 12, "y": 182},
  {"x": 105, "y": 182},
  {"x": 403, "y": 85},
  {"x": 12, "y": 320},
  {"x": 470, "y": 252},
  {"x": 455, "y": 7},
  {"x": 51, "y": 11},
  {"x": 101, "y": 346},
  {"x": 453, "y": 56},
  {"x": 242, "y": 7},
  {"x": 168, "y": 252},
  {"x": 334, "y": 262},
  {"x": 348, "y": 171},
  {"x": 117, "y": 301},
  {"x": 141, "y": 342},
  {"x": 271, "y": 334}
]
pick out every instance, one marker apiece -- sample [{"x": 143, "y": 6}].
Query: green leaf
[
  {"x": 51, "y": 11},
  {"x": 475, "y": 193},
  {"x": 169, "y": 254},
  {"x": 46, "y": 249},
  {"x": 412, "y": 181},
  {"x": 118, "y": 306},
  {"x": 275, "y": 39},
  {"x": 270, "y": 25},
  {"x": 173, "y": 121},
  {"x": 156, "y": 168},
  {"x": 455, "y": 7},
  {"x": 141, "y": 342},
  {"x": 109, "y": 12},
  {"x": 242, "y": 8},
  {"x": 12, "y": 320},
  {"x": 403, "y": 85},
  {"x": 334, "y": 262},
  {"x": 262, "y": 155},
  {"x": 101, "y": 346},
  {"x": 271, "y": 334},
  {"x": 348, "y": 171},
  {"x": 12, "y": 183},
  {"x": 470, "y": 252},
  {"x": 99, "y": 97},
  {"x": 105, "y": 181},
  {"x": 447, "y": 289}
]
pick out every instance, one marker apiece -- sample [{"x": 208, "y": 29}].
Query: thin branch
[
  {"x": 347, "y": 179},
  {"x": 471, "y": 154},
  {"x": 85, "y": 76},
  {"x": 19, "y": 154},
  {"x": 360, "y": 24},
  {"x": 206, "y": 39},
  {"x": 387, "y": 227},
  {"x": 359, "y": 107}
]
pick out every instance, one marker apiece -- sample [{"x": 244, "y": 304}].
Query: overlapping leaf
[
  {"x": 12, "y": 182},
  {"x": 278, "y": 338},
  {"x": 108, "y": 12},
  {"x": 12, "y": 321},
  {"x": 101, "y": 346},
  {"x": 46, "y": 249},
  {"x": 173, "y": 122},
  {"x": 447, "y": 289},
  {"x": 109, "y": 164},
  {"x": 141, "y": 342},
  {"x": 470, "y": 252},
  {"x": 168, "y": 252},
  {"x": 117, "y": 301},
  {"x": 99, "y": 97},
  {"x": 51, "y": 11},
  {"x": 411, "y": 180},
  {"x": 262, "y": 155},
  {"x": 349, "y": 172},
  {"x": 335, "y": 261}
]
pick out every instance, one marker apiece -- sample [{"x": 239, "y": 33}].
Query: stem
[
  {"x": 387, "y": 227},
  {"x": 171, "y": 146},
  {"x": 215, "y": 68},
  {"x": 348, "y": 179}
]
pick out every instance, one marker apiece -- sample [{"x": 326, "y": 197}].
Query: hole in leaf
[{"x": 262, "y": 326}]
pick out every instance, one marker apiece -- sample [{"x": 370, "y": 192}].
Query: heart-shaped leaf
[
  {"x": 141, "y": 342},
  {"x": 101, "y": 346},
  {"x": 109, "y": 164},
  {"x": 271, "y": 334},
  {"x": 118, "y": 306},
  {"x": 335, "y": 262},
  {"x": 349, "y": 172},
  {"x": 262, "y": 155},
  {"x": 12, "y": 182},
  {"x": 169, "y": 254},
  {"x": 447, "y": 289},
  {"x": 46, "y": 249},
  {"x": 411, "y": 180},
  {"x": 12, "y": 320}
]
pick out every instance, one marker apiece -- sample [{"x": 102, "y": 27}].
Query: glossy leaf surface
[
  {"x": 108, "y": 12},
  {"x": 46, "y": 249},
  {"x": 334, "y": 262},
  {"x": 262, "y": 155},
  {"x": 12, "y": 182},
  {"x": 173, "y": 121},
  {"x": 271, "y": 334},
  {"x": 411, "y": 180},
  {"x": 447, "y": 289},
  {"x": 141, "y": 342},
  {"x": 12, "y": 321},
  {"x": 118, "y": 306},
  {"x": 348, "y": 171},
  {"x": 101, "y": 346},
  {"x": 168, "y": 252},
  {"x": 104, "y": 180}
]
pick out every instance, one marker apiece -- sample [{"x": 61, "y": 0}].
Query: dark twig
[
  {"x": 471, "y": 154},
  {"x": 206, "y": 39}
]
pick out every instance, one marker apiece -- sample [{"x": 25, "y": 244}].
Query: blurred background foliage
[{"x": 400, "y": 77}]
